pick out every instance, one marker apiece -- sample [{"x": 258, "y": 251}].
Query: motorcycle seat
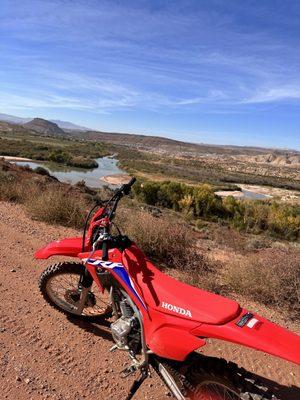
[{"x": 170, "y": 296}]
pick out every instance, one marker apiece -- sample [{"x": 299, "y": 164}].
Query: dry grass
[
  {"x": 57, "y": 207},
  {"x": 169, "y": 243},
  {"x": 11, "y": 190},
  {"x": 159, "y": 237},
  {"x": 270, "y": 276},
  {"x": 44, "y": 202}
]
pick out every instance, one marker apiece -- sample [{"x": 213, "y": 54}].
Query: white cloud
[{"x": 275, "y": 94}]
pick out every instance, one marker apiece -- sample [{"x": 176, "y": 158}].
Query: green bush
[
  {"x": 60, "y": 157},
  {"x": 82, "y": 162},
  {"x": 256, "y": 216}
]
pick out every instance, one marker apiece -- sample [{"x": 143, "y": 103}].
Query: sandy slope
[{"x": 46, "y": 356}]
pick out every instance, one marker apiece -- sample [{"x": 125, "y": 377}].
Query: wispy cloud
[
  {"x": 179, "y": 58},
  {"x": 275, "y": 94}
]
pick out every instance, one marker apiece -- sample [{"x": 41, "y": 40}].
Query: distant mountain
[
  {"x": 13, "y": 119},
  {"x": 44, "y": 127},
  {"x": 143, "y": 142},
  {"x": 68, "y": 125},
  {"x": 19, "y": 120}
]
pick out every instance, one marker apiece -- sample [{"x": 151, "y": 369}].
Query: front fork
[{"x": 84, "y": 286}]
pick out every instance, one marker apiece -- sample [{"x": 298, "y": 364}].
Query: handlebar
[{"x": 125, "y": 189}]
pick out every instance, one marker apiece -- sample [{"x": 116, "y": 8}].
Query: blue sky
[{"x": 212, "y": 71}]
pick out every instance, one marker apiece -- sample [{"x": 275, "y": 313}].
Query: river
[
  {"x": 92, "y": 177},
  {"x": 108, "y": 166}
]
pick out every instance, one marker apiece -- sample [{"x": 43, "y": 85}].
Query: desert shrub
[
  {"x": 147, "y": 192},
  {"x": 256, "y": 216},
  {"x": 55, "y": 206},
  {"x": 270, "y": 276},
  {"x": 13, "y": 190},
  {"x": 207, "y": 204},
  {"x": 159, "y": 238},
  {"x": 163, "y": 239},
  {"x": 257, "y": 242},
  {"x": 82, "y": 162},
  {"x": 284, "y": 221},
  {"x": 59, "y": 156}
]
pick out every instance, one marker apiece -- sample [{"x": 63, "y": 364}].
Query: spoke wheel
[
  {"x": 60, "y": 287},
  {"x": 213, "y": 390},
  {"x": 211, "y": 378}
]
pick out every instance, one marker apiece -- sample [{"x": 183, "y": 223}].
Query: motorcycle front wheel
[{"x": 60, "y": 286}]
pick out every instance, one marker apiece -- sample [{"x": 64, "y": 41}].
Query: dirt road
[{"x": 46, "y": 356}]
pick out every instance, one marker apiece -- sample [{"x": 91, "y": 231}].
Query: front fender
[
  {"x": 258, "y": 333},
  {"x": 70, "y": 247}
]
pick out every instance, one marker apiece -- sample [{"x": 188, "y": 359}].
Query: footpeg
[
  {"x": 113, "y": 348},
  {"x": 128, "y": 371}
]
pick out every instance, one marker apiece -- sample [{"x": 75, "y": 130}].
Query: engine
[{"x": 126, "y": 329}]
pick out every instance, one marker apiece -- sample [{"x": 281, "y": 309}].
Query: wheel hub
[{"x": 73, "y": 296}]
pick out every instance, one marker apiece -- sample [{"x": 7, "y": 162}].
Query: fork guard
[{"x": 263, "y": 336}]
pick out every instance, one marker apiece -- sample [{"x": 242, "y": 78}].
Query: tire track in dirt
[{"x": 44, "y": 355}]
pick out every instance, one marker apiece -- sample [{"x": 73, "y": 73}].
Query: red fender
[
  {"x": 262, "y": 335},
  {"x": 70, "y": 247}
]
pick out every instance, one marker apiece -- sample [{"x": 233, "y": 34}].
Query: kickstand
[{"x": 137, "y": 383}]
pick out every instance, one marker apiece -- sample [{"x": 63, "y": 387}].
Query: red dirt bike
[{"x": 158, "y": 320}]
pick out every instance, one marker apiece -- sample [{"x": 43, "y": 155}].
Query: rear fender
[
  {"x": 255, "y": 332},
  {"x": 70, "y": 247}
]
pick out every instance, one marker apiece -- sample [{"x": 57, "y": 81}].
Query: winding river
[
  {"x": 108, "y": 166},
  {"x": 92, "y": 177}
]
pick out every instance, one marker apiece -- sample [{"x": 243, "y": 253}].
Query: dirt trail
[{"x": 43, "y": 355}]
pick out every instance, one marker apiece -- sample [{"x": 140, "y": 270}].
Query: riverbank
[
  {"x": 256, "y": 192},
  {"x": 11, "y": 158},
  {"x": 276, "y": 193},
  {"x": 116, "y": 179},
  {"x": 107, "y": 171}
]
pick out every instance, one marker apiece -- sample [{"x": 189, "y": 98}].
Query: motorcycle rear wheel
[
  {"x": 58, "y": 285},
  {"x": 211, "y": 378}
]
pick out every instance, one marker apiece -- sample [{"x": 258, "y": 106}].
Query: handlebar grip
[
  {"x": 105, "y": 250},
  {"x": 132, "y": 181},
  {"x": 125, "y": 189}
]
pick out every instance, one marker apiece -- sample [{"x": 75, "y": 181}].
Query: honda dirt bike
[{"x": 158, "y": 320}]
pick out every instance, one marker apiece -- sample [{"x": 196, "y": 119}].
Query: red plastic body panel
[
  {"x": 177, "y": 317},
  {"x": 70, "y": 247},
  {"x": 173, "y": 343},
  {"x": 158, "y": 326},
  {"x": 264, "y": 336},
  {"x": 163, "y": 292}
]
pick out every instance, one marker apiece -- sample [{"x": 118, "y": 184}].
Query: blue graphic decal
[{"x": 119, "y": 269}]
